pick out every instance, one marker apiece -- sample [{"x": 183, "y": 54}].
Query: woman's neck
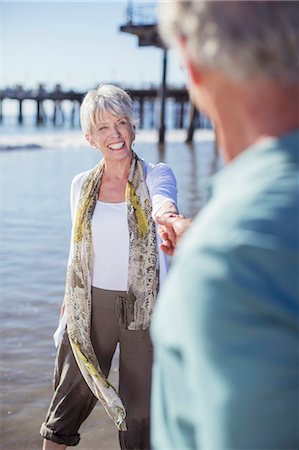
[{"x": 117, "y": 170}]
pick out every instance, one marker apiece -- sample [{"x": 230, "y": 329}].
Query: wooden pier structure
[
  {"x": 146, "y": 103},
  {"x": 141, "y": 21},
  {"x": 39, "y": 96}
]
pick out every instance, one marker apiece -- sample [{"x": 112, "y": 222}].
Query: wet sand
[{"x": 24, "y": 408}]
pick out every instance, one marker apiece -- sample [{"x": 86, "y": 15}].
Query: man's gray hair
[
  {"x": 244, "y": 39},
  {"x": 107, "y": 98}
]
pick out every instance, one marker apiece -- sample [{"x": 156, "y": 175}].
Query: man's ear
[
  {"x": 89, "y": 140},
  {"x": 193, "y": 71}
]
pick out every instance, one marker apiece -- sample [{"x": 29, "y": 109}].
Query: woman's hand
[{"x": 171, "y": 228}]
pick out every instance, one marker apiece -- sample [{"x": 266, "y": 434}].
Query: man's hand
[{"x": 171, "y": 228}]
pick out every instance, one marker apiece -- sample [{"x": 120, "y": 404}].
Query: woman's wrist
[{"x": 171, "y": 214}]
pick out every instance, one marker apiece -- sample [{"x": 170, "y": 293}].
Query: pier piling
[
  {"x": 190, "y": 132},
  {"x": 20, "y": 115},
  {"x": 163, "y": 98}
]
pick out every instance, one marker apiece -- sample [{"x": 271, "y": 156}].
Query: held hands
[{"x": 171, "y": 228}]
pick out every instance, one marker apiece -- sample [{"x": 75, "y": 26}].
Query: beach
[{"x": 36, "y": 171}]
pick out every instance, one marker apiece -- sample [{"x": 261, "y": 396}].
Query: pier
[
  {"x": 146, "y": 101},
  {"x": 56, "y": 96},
  {"x": 141, "y": 21}
]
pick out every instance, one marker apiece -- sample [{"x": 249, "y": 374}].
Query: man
[{"x": 225, "y": 330}]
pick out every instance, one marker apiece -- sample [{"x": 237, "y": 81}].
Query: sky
[{"x": 76, "y": 44}]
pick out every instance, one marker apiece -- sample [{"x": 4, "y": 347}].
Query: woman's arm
[
  {"x": 162, "y": 187},
  {"x": 163, "y": 191}
]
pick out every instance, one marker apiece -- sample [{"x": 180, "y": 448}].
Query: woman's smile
[{"x": 117, "y": 145}]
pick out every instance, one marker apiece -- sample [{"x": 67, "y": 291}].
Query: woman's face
[{"x": 113, "y": 136}]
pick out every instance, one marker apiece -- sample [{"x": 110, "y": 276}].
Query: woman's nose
[{"x": 115, "y": 130}]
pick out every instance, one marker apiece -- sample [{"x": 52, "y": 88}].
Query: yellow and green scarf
[{"x": 143, "y": 277}]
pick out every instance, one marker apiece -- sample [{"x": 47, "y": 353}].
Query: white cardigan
[{"x": 162, "y": 187}]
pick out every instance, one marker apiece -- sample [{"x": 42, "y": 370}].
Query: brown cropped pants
[{"x": 73, "y": 401}]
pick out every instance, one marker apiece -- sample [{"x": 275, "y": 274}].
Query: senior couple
[{"x": 225, "y": 326}]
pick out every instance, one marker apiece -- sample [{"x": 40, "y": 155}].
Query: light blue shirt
[{"x": 225, "y": 329}]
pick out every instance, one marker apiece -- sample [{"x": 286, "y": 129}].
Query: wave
[
  {"x": 42, "y": 140},
  {"x": 75, "y": 139},
  {"x": 20, "y": 147}
]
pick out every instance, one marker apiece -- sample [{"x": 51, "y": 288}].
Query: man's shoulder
[{"x": 260, "y": 198}]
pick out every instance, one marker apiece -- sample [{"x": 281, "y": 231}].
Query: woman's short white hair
[
  {"x": 241, "y": 38},
  {"x": 107, "y": 98}
]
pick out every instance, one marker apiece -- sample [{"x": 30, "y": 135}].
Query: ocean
[{"x": 36, "y": 167}]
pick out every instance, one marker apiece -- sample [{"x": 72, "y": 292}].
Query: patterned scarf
[{"x": 143, "y": 277}]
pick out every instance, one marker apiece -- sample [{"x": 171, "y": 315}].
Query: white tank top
[{"x": 110, "y": 238}]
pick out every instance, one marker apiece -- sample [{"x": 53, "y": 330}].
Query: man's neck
[{"x": 260, "y": 111}]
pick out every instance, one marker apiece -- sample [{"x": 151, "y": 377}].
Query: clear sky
[{"x": 76, "y": 44}]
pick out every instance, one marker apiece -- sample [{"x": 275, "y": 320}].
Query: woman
[{"x": 114, "y": 272}]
